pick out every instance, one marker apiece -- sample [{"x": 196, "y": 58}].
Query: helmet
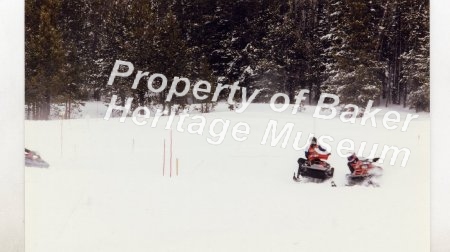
[
  {"x": 314, "y": 140},
  {"x": 352, "y": 158}
]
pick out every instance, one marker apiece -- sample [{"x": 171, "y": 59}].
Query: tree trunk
[
  {"x": 45, "y": 108},
  {"x": 70, "y": 110}
]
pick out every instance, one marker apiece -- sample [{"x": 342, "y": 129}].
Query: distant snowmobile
[
  {"x": 314, "y": 167},
  {"x": 32, "y": 159},
  {"x": 363, "y": 171}
]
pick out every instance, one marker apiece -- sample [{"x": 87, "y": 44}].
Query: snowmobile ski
[{"x": 296, "y": 179}]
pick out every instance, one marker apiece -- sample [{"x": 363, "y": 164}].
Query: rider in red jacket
[
  {"x": 353, "y": 162},
  {"x": 313, "y": 155}
]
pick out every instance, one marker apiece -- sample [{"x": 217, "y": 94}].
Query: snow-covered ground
[{"x": 105, "y": 189}]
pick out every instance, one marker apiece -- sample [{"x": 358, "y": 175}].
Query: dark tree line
[{"x": 357, "y": 49}]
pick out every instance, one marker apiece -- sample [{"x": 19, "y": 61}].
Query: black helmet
[
  {"x": 352, "y": 157},
  {"x": 314, "y": 140}
]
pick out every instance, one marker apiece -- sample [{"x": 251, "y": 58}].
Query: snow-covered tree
[{"x": 353, "y": 74}]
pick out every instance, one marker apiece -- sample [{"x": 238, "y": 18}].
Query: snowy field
[{"x": 105, "y": 189}]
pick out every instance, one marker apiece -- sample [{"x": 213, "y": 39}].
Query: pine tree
[
  {"x": 45, "y": 57},
  {"x": 354, "y": 74},
  {"x": 416, "y": 60}
]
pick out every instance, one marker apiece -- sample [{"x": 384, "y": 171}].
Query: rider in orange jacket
[
  {"x": 353, "y": 162},
  {"x": 313, "y": 155}
]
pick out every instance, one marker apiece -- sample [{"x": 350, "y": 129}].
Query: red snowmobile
[
  {"x": 363, "y": 171},
  {"x": 314, "y": 166},
  {"x": 34, "y": 159}
]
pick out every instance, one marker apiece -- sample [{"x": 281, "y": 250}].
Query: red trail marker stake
[
  {"x": 171, "y": 152},
  {"x": 164, "y": 156}
]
